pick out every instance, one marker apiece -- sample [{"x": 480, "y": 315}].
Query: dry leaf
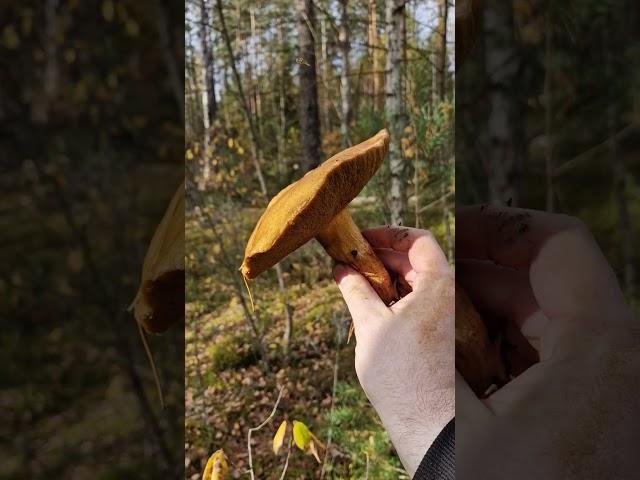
[
  {"x": 314, "y": 452},
  {"x": 159, "y": 302},
  {"x": 217, "y": 467},
  {"x": 278, "y": 438}
]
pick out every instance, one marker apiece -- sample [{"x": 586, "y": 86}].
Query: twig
[
  {"x": 333, "y": 397},
  {"x": 571, "y": 164},
  {"x": 435, "y": 202},
  {"x": 366, "y": 472},
  {"x": 255, "y": 429},
  {"x": 286, "y": 463}
]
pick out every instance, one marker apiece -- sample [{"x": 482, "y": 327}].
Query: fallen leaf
[
  {"x": 301, "y": 435},
  {"x": 217, "y": 467},
  {"x": 278, "y": 438}
]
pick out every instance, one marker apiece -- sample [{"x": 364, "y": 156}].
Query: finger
[
  {"x": 499, "y": 292},
  {"x": 363, "y": 302},
  {"x": 397, "y": 262},
  {"x": 569, "y": 276},
  {"x": 511, "y": 237},
  {"x": 422, "y": 248}
]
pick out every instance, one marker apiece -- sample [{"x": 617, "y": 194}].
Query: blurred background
[
  {"x": 91, "y": 152},
  {"x": 271, "y": 90},
  {"x": 548, "y": 115}
]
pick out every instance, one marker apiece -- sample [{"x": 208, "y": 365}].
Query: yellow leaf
[
  {"x": 108, "y": 10},
  {"x": 189, "y": 154},
  {"x": 301, "y": 435},
  {"x": 217, "y": 467},
  {"x": 278, "y": 438},
  {"x": 240, "y": 150},
  {"x": 230, "y": 143}
]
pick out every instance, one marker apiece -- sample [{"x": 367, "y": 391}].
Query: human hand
[
  {"x": 574, "y": 414},
  {"x": 405, "y": 353}
]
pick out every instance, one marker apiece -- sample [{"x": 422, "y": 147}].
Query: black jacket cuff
[{"x": 439, "y": 463}]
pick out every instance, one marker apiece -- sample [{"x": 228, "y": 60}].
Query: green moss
[{"x": 232, "y": 352}]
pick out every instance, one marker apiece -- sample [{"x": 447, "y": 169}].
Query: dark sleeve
[{"x": 439, "y": 463}]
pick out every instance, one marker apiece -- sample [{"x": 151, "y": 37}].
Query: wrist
[{"x": 413, "y": 431}]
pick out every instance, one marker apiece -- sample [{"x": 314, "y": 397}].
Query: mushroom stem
[
  {"x": 343, "y": 241},
  {"x": 477, "y": 358}
]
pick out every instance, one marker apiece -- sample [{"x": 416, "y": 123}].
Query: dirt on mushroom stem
[{"x": 345, "y": 244}]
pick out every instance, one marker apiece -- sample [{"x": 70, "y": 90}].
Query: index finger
[
  {"x": 569, "y": 275},
  {"x": 421, "y": 247},
  {"x": 511, "y": 237}
]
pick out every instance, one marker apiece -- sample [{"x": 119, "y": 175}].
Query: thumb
[{"x": 362, "y": 300}]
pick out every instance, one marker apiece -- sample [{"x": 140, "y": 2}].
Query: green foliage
[{"x": 356, "y": 431}]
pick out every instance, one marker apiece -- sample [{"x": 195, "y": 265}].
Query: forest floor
[{"x": 229, "y": 390}]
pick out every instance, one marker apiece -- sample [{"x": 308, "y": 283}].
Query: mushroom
[
  {"x": 316, "y": 207},
  {"x": 159, "y": 302},
  {"x": 477, "y": 358}
]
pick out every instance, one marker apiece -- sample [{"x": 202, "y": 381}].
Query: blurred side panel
[{"x": 91, "y": 153}]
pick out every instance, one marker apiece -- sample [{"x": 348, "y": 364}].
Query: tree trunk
[
  {"x": 255, "y": 156},
  {"x": 282, "y": 99},
  {"x": 255, "y": 85},
  {"x": 204, "y": 96},
  {"x": 345, "y": 73},
  {"x": 326, "y": 123},
  {"x": 395, "y": 19},
  {"x": 443, "y": 11},
  {"x": 505, "y": 117},
  {"x": 176, "y": 76},
  {"x": 311, "y": 143},
  {"x": 374, "y": 54}
]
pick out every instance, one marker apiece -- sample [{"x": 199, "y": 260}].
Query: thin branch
[
  {"x": 286, "y": 463},
  {"x": 331, "y": 408},
  {"x": 259, "y": 427},
  {"x": 571, "y": 164}
]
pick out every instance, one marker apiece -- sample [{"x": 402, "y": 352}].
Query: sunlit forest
[
  {"x": 91, "y": 145},
  {"x": 272, "y": 89},
  {"x": 548, "y": 116}
]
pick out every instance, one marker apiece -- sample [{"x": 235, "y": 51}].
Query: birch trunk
[
  {"x": 505, "y": 118},
  {"x": 395, "y": 19},
  {"x": 204, "y": 96}
]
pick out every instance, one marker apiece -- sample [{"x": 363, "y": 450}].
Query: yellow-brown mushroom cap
[{"x": 301, "y": 210}]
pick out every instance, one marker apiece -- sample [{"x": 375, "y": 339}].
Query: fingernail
[{"x": 339, "y": 271}]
